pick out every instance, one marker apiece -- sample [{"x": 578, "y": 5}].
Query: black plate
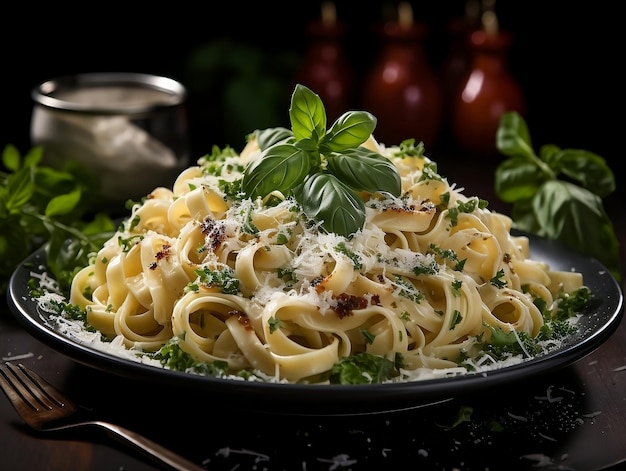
[{"x": 595, "y": 327}]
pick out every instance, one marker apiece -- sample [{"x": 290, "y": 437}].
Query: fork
[{"x": 40, "y": 405}]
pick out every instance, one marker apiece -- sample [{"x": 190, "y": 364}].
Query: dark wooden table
[{"x": 571, "y": 419}]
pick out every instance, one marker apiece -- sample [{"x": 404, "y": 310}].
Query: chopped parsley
[
  {"x": 354, "y": 257},
  {"x": 223, "y": 278},
  {"x": 497, "y": 281},
  {"x": 363, "y": 368}
]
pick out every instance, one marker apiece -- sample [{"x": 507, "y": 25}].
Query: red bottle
[
  {"x": 325, "y": 69},
  {"x": 489, "y": 89},
  {"x": 455, "y": 65},
  {"x": 402, "y": 89},
  {"x": 457, "y": 61}
]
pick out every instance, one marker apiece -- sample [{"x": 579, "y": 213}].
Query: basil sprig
[
  {"x": 44, "y": 206},
  {"x": 558, "y": 193},
  {"x": 324, "y": 170}
]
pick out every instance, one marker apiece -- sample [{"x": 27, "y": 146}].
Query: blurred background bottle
[
  {"x": 456, "y": 60},
  {"x": 488, "y": 89},
  {"x": 325, "y": 68},
  {"x": 402, "y": 89}
]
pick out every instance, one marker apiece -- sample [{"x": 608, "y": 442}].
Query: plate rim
[{"x": 328, "y": 398}]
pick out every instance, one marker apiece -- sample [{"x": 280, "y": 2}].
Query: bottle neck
[{"x": 490, "y": 50}]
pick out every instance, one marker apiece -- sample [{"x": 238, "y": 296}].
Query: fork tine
[
  {"x": 23, "y": 386},
  {"x": 43, "y": 390},
  {"x": 36, "y": 401}
]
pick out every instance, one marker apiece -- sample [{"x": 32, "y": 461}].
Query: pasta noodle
[{"x": 258, "y": 286}]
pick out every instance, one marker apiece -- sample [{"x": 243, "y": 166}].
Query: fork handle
[{"x": 148, "y": 447}]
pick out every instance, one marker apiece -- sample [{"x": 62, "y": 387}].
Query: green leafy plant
[
  {"x": 42, "y": 205},
  {"x": 324, "y": 170},
  {"x": 558, "y": 193}
]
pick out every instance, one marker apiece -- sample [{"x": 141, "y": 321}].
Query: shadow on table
[{"x": 524, "y": 425}]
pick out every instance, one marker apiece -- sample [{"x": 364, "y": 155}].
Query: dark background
[{"x": 567, "y": 56}]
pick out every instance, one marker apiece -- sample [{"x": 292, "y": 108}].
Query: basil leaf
[
  {"x": 349, "y": 130},
  {"x": 589, "y": 169},
  {"x": 101, "y": 226},
  {"x": 364, "y": 170},
  {"x": 549, "y": 153},
  {"x": 280, "y": 167},
  {"x": 326, "y": 199},
  {"x": 307, "y": 114},
  {"x": 308, "y": 145},
  {"x": 51, "y": 178},
  {"x": 33, "y": 156},
  {"x": 20, "y": 189},
  {"x": 15, "y": 245},
  {"x": 63, "y": 204},
  {"x": 512, "y": 136},
  {"x": 517, "y": 178},
  {"x": 553, "y": 203},
  {"x": 268, "y": 137},
  {"x": 64, "y": 258},
  {"x": 575, "y": 216},
  {"x": 11, "y": 158}
]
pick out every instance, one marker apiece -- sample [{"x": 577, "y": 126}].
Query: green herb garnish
[
  {"x": 224, "y": 279},
  {"x": 324, "y": 170},
  {"x": 363, "y": 368}
]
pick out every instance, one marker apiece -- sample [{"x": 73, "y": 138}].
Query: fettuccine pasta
[{"x": 257, "y": 285}]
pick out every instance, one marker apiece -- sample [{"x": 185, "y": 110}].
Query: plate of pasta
[
  {"x": 345, "y": 276},
  {"x": 428, "y": 382}
]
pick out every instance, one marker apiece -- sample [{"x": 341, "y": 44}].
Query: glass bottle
[
  {"x": 325, "y": 69},
  {"x": 456, "y": 61},
  {"x": 402, "y": 89},
  {"x": 488, "y": 90}
]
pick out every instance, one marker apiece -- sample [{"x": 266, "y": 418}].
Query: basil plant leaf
[
  {"x": 557, "y": 194},
  {"x": 364, "y": 170},
  {"x": 63, "y": 204},
  {"x": 550, "y": 154},
  {"x": 516, "y": 179},
  {"x": 576, "y": 217},
  {"x": 53, "y": 179},
  {"x": 512, "y": 136},
  {"x": 62, "y": 256},
  {"x": 350, "y": 130},
  {"x": 20, "y": 188},
  {"x": 589, "y": 169},
  {"x": 11, "y": 158},
  {"x": 33, "y": 156},
  {"x": 307, "y": 114},
  {"x": 268, "y": 137},
  {"x": 308, "y": 145},
  {"x": 280, "y": 167},
  {"x": 327, "y": 200}
]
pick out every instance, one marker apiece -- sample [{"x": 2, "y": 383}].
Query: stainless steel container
[{"x": 129, "y": 129}]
